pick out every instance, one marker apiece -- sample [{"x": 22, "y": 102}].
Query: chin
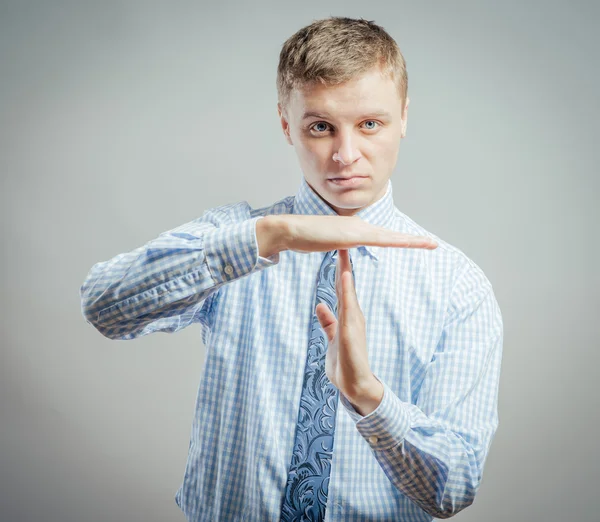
[{"x": 351, "y": 199}]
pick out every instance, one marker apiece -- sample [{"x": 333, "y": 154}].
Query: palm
[{"x": 346, "y": 360}]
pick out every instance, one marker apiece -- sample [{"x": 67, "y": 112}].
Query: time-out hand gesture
[{"x": 347, "y": 362}]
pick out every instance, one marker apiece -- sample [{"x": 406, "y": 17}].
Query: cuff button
[
  {"x": 229, "y": 269},
  {"x": 373, "y": 439}
]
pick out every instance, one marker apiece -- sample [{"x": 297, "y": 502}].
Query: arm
[
  {"x": 434, "y": 451},
  {"x": 169, "y": 282}
]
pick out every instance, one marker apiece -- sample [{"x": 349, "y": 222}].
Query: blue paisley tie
[{"x": 308, "y": 476}]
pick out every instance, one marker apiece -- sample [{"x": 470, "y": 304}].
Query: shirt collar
[{"x": 380, "y": 213}]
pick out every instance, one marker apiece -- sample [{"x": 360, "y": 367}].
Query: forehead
[{"x": 369, "y": 92}]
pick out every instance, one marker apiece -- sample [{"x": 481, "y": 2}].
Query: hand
[
  {"x": 346, "y": 361},
  {"x": 317, "y": 233}
]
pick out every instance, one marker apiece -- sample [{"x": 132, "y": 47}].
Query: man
[{"x": 370, "y": 394}]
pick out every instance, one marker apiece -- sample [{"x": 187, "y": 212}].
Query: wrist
[
  {"x": 271, "y": 233},
  {"x": 367, "y": 397}
]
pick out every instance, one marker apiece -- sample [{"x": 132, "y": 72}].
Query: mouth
[
  {"x": 349, "y": 177},
  {"x": 348, "y": 181}
]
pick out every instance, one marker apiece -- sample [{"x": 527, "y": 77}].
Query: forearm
[
  {"x": 163, "y": 284},
  {"x": 423, "y": 459}
]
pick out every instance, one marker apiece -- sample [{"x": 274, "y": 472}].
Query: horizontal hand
[{"x": 318, "y": 233}]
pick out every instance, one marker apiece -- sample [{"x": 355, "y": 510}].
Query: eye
[
  {"x": 318, "y": 123},
  {"x": 314, "y": 126},
  {"x": 372, "y": 121}
]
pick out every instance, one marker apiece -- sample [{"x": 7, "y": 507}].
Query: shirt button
[
  {"x": 229, "y": 269},
  {"x": 373, "y": 439}
]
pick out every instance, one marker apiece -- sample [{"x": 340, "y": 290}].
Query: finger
[
  {"x": 344, "y": 259},
  {"x": 420, "y": 242},
  {"x": 347, "y": 294},
  {"x": 387, "y": 237},
  {"x": 349, "y": 298},
  {"x": 327, "y": 320},
  {"x": 345, "y": 266},
  {"x": 346, "y": 263},
  {"x": 325, "y": 315},
  {"x": 342, "y": 265}
]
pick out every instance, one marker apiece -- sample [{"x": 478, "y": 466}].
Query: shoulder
[{"x": 447, "y": 261}]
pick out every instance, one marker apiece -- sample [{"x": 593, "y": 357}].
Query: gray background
[{"x": 120, "y": 120}]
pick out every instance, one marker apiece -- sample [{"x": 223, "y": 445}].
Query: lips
[
  {"x": 355, "y": 181},
  {"x": 350, "y": 177}
]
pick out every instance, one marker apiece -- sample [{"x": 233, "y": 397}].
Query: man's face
[{"x": 341, "y": 131}]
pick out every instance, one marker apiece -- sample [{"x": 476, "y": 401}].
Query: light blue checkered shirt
[{"x": 434, "y": 338}]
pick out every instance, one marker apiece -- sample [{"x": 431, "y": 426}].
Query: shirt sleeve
[
  {"x": 434, "y": 451},
  {"x": 169, "y": 282}
]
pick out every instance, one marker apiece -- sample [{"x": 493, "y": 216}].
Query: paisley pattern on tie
[{"x": 308, "y": 476}]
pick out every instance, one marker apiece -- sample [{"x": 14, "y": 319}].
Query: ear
[
  {"x": 405, "y": 117},
  {"x": 285, "y": 125}
]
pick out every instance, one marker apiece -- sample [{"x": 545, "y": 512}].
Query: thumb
[{"x": 327, "y": 320}]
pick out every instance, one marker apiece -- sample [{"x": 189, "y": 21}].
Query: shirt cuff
[
  {"x": 232, "y": 251},
  {"x": 387, "y": 425}
]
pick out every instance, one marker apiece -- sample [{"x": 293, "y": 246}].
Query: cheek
[
  {"x": 379, "y": 150},
  {"x": 385, "y": 150},
  {"x": 314, "y": 152}
]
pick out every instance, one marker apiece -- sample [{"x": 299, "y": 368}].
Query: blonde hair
[{"x": 334, "y": 50}]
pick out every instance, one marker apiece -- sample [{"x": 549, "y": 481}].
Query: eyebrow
[{"x": 310, "y": 114}]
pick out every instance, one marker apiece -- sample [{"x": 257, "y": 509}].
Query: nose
[{"x": 346, "y": 153}]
